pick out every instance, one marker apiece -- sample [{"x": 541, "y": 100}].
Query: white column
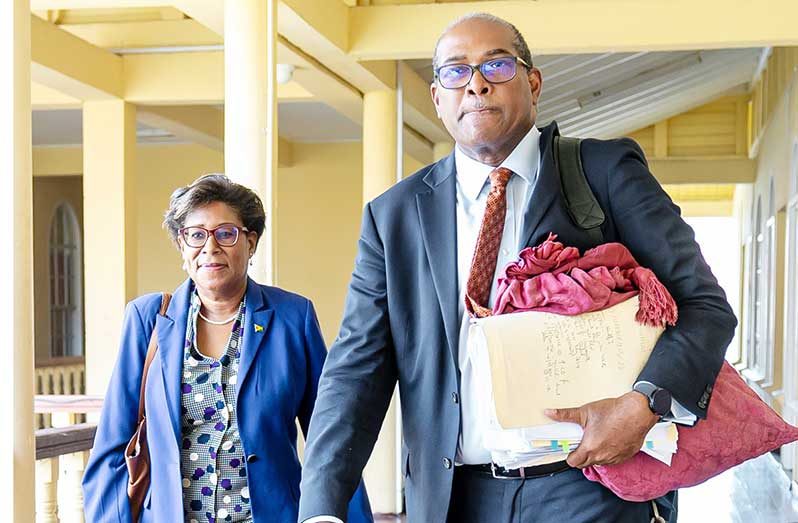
[
  {"x": 16, "y": 282},
  {"x": 110, "y": 231},
  {"x": 250, "y": 112},
  {"x": 70, "y": 490},
  {"x": 46, "y": 491}
]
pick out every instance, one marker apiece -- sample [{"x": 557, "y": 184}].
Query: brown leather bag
[{"x": 137, "y": 454}]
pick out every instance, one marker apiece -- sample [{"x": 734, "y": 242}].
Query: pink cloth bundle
[
  {"x": 739, "y": 425},
  {"x": 555, "y": 278}
]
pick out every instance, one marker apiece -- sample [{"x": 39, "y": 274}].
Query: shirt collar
[{"x": 523, "y": 161}]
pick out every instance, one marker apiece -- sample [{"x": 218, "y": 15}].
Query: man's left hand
[{"x": 614, "y": 429}]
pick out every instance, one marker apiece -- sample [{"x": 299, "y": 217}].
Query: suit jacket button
[
  {"x": 447, "y": 463},
  {"x": 252, "y": 458},
  {"x": 455, "y": 397}
]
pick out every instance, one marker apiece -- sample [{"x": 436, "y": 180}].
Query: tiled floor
[{"x": 755, "y": 492}]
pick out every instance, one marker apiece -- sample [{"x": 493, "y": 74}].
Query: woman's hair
[{"x": 209, "y": 189}]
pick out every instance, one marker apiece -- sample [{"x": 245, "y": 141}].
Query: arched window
[{"x": 66, "y": 307}]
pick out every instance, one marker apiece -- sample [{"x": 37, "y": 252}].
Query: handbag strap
[{"x": 151, "y": 350}]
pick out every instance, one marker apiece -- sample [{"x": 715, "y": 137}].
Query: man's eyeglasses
[
  {"x": 225, "y": 235},
  {"x": 495, "y": 71}
]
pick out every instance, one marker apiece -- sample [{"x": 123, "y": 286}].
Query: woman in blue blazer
[{"x": 237, "y": 364}]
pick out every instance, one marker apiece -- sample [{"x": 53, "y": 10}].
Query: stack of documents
[
  {"x": 517, "y": 448},
  {"x": 529, "y": 361}
]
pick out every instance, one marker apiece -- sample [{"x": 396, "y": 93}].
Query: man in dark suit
[{"x": 405, "y": 317}]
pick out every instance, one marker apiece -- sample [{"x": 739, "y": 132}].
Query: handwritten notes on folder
[{"x": 542, "y": 360}]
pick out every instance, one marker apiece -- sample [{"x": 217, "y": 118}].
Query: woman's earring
[{"x": 251, "y": 262}]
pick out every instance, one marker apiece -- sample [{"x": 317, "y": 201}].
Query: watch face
[{"x": 661, "y": 402}]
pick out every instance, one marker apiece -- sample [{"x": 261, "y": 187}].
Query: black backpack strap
[{"x": 580, "y": 201}]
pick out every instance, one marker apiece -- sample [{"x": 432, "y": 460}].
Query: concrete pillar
[
  {"x": 16, "y": 265},
  {"x": 441, "y": 150},
  {"x": 379, "y": 173},
  {"x": 379, "y": 142},
  {"x": 250, "y": 112},
  {"x": 110, "y": 231}
]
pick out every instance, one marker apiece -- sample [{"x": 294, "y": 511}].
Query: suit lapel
[
  {"x": 438, "y": 219},
  {"x": 547, "y": 187},
  {"x": 257, "y": 319},
  {"x": 171, "y": 341}
]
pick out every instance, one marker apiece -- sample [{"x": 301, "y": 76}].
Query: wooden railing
[
  {"x": 60, "y": 376},
  {"x": 61, "y": 455}
]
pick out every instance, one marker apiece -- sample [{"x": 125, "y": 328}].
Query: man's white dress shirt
[{"x": 473, "y": 186}]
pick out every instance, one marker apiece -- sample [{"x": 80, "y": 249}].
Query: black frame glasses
[
  {"x": 186, "y": 234},
  {"x": 483, "y": 68}
]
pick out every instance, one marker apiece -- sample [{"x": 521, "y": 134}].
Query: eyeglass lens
[
  {"x": 495, "y": 71},
  {"x": 226, "y": 235}
]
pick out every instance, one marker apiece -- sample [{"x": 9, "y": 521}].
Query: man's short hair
[{"x": 519, "y": 43}]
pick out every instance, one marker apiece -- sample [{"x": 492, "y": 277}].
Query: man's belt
[{"x": 498, "y": 472}]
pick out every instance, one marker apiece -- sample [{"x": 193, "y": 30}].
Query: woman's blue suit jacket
[{"x": 282, "y": 357}]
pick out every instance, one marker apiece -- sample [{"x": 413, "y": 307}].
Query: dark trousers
[{"x": 563, "y": 497}]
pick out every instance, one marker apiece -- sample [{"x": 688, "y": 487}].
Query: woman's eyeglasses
[
  {"x": 225, "y": 235},
  {"x": 495, "y": 71}
]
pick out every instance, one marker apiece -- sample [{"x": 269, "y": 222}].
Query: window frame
[{"x": 65, "y": 278}]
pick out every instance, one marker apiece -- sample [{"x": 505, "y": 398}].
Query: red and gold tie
[{"x": 483, "y": 264}]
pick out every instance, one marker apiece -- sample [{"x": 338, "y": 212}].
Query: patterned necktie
[{"x": 483, "y": 264}]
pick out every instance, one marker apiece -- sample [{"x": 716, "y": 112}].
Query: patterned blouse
[{"x": 212, "y": 458}]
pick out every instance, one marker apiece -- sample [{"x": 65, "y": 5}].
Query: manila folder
[{"x": 542, "y": 360}]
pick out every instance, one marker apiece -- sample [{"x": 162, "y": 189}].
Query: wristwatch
[{"x": 659, "y": 399}]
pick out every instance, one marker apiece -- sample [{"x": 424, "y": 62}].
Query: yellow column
[
  {"x": 441, "y": 150},
  {"x": 109, "y": 225},
  {"x": 250, "y": 117},
  {"x": 379, "y": 173},
  {"x": 379, "y": 142},
  {"x": 16, "y": 282}
]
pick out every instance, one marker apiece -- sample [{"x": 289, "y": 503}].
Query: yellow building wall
[
  {"x": 768, "y": 90},
  {"x": 160, "y": 169},
  {"x": 713, "y": 129},
  {"x": 774, "y": 141},
  {"x": 319, "y": 208},
  {"x": 775, "y": 156},
  {"x": 318, "y": 218}
]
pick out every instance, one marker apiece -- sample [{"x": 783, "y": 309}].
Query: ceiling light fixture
[{"x": 285, "y": 73}]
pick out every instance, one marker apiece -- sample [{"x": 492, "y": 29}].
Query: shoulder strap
[
  {"x": 581, "y": 203},
  {"x": 151, "y": 350}
]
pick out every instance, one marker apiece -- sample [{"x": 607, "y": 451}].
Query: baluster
[
  {"x": 39, "y": 421},
  {"x": 47, "y": 490},
  {"x": 70, "y": 493},
  {"x": 82, "y": 379},
  {"x": 58, "y": 380},
  {"x": 47, "y": 388},
  {"x": 67, "y": 378}
]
